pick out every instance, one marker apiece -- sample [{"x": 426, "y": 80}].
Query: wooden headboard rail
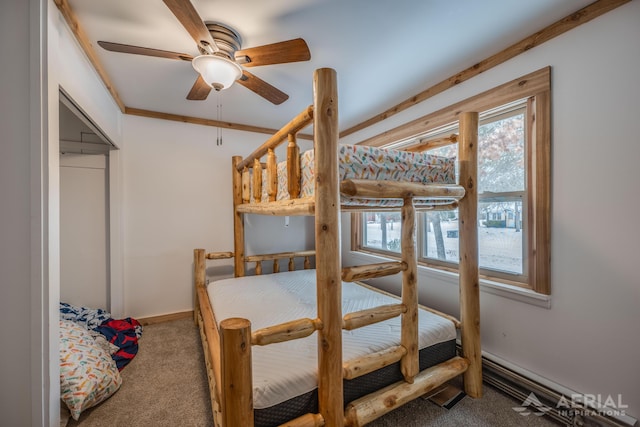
[
  {"x": 287, "y": 133},
  {"x": 258, "y": 259},
  {"x": 298, "y": 123},
  {"x": 275, "y": 257}
]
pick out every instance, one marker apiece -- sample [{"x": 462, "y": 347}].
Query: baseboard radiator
[{"x": 546, "y": 401}]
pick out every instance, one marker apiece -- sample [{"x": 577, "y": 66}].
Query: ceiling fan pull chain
[{"x": 219, "y": 116}]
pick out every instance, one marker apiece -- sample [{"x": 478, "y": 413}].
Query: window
[{"x": 513, "y": 189}]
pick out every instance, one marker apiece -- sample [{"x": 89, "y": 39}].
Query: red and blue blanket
[{"x": 123, "y": 333}]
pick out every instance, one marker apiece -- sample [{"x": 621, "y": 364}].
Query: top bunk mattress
[
  {"x": 363, "y": 162},
  {"x": 285, "y": 370}
]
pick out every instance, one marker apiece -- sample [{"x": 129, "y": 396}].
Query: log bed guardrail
[
  {"x": 236, "y": 332},
  {"x": 275, "y": 257}
]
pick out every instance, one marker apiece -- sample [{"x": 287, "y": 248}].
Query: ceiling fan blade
[
  {"x": 191, "y": 21},
  {"x": 137, "y": 50},
  {"x": 277, "y": 53},
  {"x": 262, "y": 88},
  {"x": 199, "y": 91}
]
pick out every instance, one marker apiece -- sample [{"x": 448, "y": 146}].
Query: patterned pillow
[{"x": 88, "y": 374}]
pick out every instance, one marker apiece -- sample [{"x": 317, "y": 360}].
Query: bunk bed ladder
[{"x": 372, "y": 406}]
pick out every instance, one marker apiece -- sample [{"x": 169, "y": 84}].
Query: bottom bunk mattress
[{"x": 285, "y": 374}]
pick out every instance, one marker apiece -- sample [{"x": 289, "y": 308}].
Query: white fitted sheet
[{"x": 285, "y": 370}]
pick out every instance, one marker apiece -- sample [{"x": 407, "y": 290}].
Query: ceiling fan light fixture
[{"x": 217, "y": 71}]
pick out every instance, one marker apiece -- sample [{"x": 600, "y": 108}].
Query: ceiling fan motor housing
[{"x": 227, "y": 39}]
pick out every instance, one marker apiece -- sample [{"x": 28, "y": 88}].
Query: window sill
[{"x": 488, "y": 286}]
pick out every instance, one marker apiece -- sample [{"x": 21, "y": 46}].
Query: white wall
[
  {"x": 588, "y": 340},
  {"x": 84, "y": 231},
  {"x": 16, "y": 398},
  {"x": 82, "y": 83},
  {"x": 177, "y": 197}
]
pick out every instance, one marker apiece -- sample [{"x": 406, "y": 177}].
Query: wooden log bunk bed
[{"x": 228, "y": 341}]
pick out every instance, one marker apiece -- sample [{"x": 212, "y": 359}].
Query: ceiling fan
[{"x": 221, "y": 60}]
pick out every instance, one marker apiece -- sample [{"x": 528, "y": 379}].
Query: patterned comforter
[{"x": 362, "y": 162}]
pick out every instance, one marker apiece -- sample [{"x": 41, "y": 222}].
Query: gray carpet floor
[{"x": 166, "y": 385}]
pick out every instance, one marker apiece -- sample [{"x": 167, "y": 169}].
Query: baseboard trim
[
  {"x": 543, "y": 398},
  {"x": 144, "y": 321}
]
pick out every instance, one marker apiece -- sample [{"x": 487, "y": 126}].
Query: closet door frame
[{"x": 115, "y": 256}]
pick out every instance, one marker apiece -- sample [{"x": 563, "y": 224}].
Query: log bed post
[
  {"x": 327, "y": 234},
  {"x": 199, "y": 276},
  {"x": 238, "y": 219},
  {"x": 409, "y": 337},
  {"x": 237, "y": 388},
  {"x": 469, "y": 281}
]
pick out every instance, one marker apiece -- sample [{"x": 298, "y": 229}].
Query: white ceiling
[{"x": 384, "y": 51}]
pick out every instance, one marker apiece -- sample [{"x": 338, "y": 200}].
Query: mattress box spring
[{"x": 353, "y": 389}]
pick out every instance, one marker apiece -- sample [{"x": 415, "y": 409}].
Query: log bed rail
[
  {"x": 227, "y": 345},
  {"x": 275, "y": 258}
]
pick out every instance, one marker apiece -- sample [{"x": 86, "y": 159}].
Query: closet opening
[{"x": 86, "y": 210}]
